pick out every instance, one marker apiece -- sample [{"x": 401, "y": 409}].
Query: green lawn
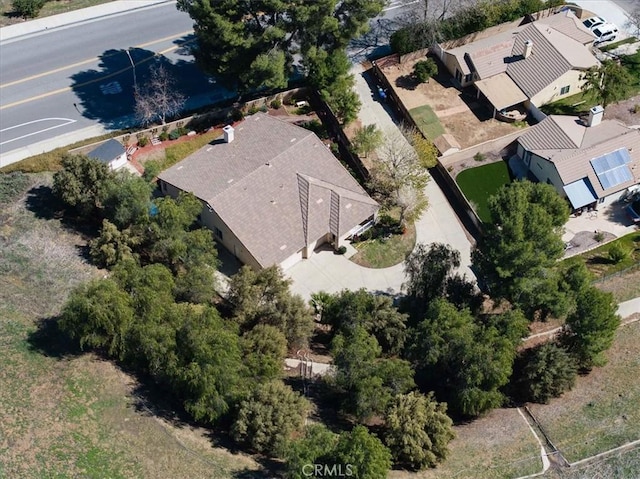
[
  {"x": 427, "y": 121},
  {"x": 479, "y": 183},
  {"x": 382, "y": 253}
]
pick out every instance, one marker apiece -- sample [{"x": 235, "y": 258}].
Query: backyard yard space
[
  {"x": 498, "y": 445},
  {"x": 461, "y": 115},
  {"x": 427, "y": 122},
  {"x": 601, "y": 412},
  {"x": 479, "y": 183},
  {"x": 600, "y": 264}
]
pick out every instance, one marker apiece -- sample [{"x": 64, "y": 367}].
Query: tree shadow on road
[{"x": 107, "y": 94}]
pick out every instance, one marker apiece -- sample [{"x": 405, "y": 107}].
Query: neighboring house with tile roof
[
  {"x": 271, "y": 191},
  {"x": 522, "y": 63},
  {"x": 589, "y": 165},
  {"x": 111, "y": 152}
]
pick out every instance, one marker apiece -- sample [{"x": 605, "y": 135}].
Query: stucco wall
[
  {"x": 552, "y": 92},
  {"x": 119, "y": 162},
  {"x": 211, "y": 220}
]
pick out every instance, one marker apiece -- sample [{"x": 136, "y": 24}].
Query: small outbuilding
[{"x": 111, "y": 152}]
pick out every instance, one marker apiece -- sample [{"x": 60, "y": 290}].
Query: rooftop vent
[
  {"x": 228, "y": 133},
  {"x": 528, "y": 48}
]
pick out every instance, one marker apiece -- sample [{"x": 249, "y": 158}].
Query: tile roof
[
  {"x": 274, "y": 186},
  {"x": 570, "y": 146},
  {"x": 567, "y": 23}
]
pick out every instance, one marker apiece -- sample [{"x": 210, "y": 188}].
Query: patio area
[{"x": 607, "y": 223}]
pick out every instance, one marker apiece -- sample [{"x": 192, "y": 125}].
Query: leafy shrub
[
  {"x": 598, "y": 236},
  {"x": 174, "y": 135},
  {"x": 264, "y": 109},
  {"x": 479, "y": 157},
  {"x": 28, "y": 8},
  {"x": 237, "y": 115},
  {"x": 253, "y": 110},
  {"x": 276, "y": 104},
  {"x": 143, "y": 141},
  {"x": 317, "y": 127},
  {"x": 342, "y": 250},
  {"x": 152, "y": 168},
  {"x": 636, "y": 108},
  {"x": 618, "y": 253},
  {"x": 164, "y": 136},
  {"x": 424, "y": 70}
]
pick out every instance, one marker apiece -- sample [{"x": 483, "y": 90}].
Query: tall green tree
[
  {"x": 263, "y": 297},
  {"x": 365, "y": 383},
  {"x": 83, "y": 183},
  {"x": 609, "y": 83},
  {"x": 367, "y": 139},
  {"x": 113, "y": 245},
  {"x": 431, "y": 273},
  {"x": 543, "y": 372},
  {"x": 367, "y": 457},
  {"x": 128, "y": 200},
  {"x": 209, "y": 371},
  {"x": 375, "y": 313},
  {"x": 269, "y": 416},
  {"x": 465, "y": 363},
  {"x": 254, "y": 42},
  {"x": 264, "y": 350},
  {"x": 590, "y": 330},
  {"x": 99, "y": 315},
  {"x": 417, "y": 431},
  {"x": 314, "y": 447},
  {"x": 424, "y": 70},
  {"x": 522, "y": 243}
]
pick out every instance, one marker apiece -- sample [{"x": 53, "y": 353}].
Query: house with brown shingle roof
[
  {"x": 271, "y": 191},
  {"x": 590, "y": 162},
  {"x": 527, "y": 64}
]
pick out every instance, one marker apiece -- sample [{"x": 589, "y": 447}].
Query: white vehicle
[
  {"x": 605, "y": 32},
  {"x": 593, "y": 22}
]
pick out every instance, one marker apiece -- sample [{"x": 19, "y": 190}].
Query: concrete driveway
[
  {"x": 326, "y": 271},
  {"x": 611, "y": 12}
]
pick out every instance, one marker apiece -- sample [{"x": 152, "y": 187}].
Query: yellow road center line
[
  {"x": 95, "y": 80},
  {"x": 94, "y": 59}
]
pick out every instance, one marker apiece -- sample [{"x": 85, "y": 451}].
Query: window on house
[
  {"x": 458, "y": 75},
  {"x": 468, "y": 78},
  {"x": 564, "y": 90},
  {"x": 548, "y": 181},
  {"x": 217, "y": 232}
]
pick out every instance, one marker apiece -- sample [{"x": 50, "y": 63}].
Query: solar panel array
[{"x": 612, "y": 169}]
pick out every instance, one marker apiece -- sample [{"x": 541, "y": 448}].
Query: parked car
[
  {"x": 605, "y": 33},
  {"x": 633, "y": 210},
  {"x": 593, "y": 22}
]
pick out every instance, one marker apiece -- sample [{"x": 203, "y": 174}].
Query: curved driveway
[{"x": 326, "y": 271}]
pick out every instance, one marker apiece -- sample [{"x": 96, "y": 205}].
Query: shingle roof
[
  {"x": 267, "y": 181},
  {"x": 570, "y": 146},
  {"x": 107, "y": 151},
  {"x": 558, "y": 46}
]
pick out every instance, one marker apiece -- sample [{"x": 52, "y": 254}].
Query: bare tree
[
  {"x": 158, "y": 99},
  {"x": 633, "y": 22},
  {"x": 398, "y": 176}
]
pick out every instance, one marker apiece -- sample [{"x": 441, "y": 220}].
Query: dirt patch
[
  {"x": 623, "y": 286},
  {"x": 624, "y": 111},
  {"x": 466, "y": 118}
]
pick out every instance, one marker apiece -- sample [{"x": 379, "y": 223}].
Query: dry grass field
[{"x": 64, "y": 414}]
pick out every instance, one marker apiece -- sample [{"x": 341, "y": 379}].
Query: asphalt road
[
  {"x": 77, "y": 81},
  {"x": 57, "y": 82}
]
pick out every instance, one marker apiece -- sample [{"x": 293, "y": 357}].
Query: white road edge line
[
  {"x": 67, "y": 121},
  {"x": 399, "y": 6}
]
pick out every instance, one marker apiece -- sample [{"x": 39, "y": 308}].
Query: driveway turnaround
[{"x": 326, "y": 271}]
